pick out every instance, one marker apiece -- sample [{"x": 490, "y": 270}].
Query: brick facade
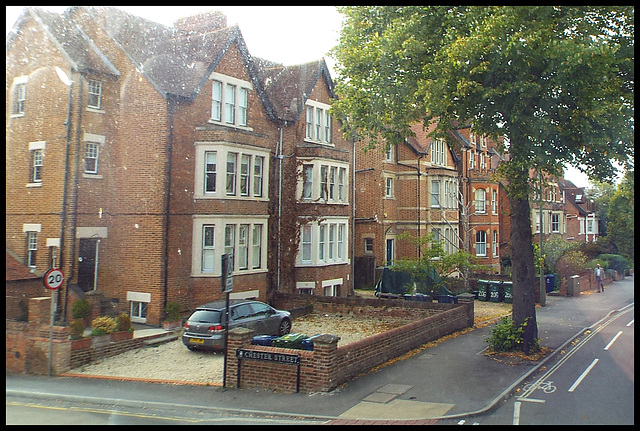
[{"x": 127, "y": 228}]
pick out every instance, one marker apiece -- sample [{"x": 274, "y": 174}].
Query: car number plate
[{"x": 196, "y": 340}]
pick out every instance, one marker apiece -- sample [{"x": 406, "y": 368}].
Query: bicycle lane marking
[
  {"x": 583, "y": 375},
  {"x": 542, "y": 382}
]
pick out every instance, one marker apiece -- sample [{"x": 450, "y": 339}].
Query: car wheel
[{"x": 285, "y": 327}]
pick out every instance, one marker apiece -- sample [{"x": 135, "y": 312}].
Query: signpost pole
[
  {"x": 52, "y": 280},
  {"x": 53, "y": 312},
  {"x": 227, "y": 287}
]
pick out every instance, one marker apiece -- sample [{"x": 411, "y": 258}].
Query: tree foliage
[
  {"x": 555, "y": 82},
  {"x": 620, "y": 226},
  {"x": 434, "y": 260}
]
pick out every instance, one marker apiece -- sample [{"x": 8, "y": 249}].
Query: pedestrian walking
[{"x": 599, "y": 278}]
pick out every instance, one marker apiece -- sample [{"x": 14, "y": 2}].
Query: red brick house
[
  {"x": 412, "y": 188},
  {"x": 138, "y": 154},
  {"x": 483, "y": 204},
  {"x": 581, "y": 220}
]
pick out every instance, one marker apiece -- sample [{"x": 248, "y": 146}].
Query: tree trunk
[{"x": 523, "y": 277}]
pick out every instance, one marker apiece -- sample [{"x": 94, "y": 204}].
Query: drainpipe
[
  {"x": 419, "y": 173},
  {"x": 63, "y": 213},
  {"x": 75, "y": 203},
  {"x": 280, "y": 157},
  {"x": 165, "y": 282},
  {"x": 96, "y": 265}
]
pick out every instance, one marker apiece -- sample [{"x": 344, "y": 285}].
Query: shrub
[
  {"x": 80, "y": 309},
  {"x": 103, "y": 325},
  {"x": 76, "y": 329},
  {"x": 615, "y": 261},
  {"x": 507, "y": 337},
  {"x": 123, "y": 323},
  {"x": 173, "y": 311}
]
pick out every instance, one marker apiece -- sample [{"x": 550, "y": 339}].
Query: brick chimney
[{"x": 202, "y": 22}]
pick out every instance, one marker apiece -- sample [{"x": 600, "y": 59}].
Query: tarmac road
[{"x": 447, "y": 383}]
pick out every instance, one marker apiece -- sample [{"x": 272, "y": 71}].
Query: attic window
[
  {"x": 229, "y": 100},
  {"x": 318, "y": 125}
]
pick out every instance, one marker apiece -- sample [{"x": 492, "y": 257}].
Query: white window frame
[
  {"x": 494, "y": 201},
  {"x": 230, "y": 101},
  {"x": 256, "y": 178},
  {"x": 32, "y": 248},
  {"x": 306, "y": 243},
  {"x": 94, "y": 89},
  {"x": 324, "y": 242},
  {"x": 315, "y": 181},
  {"x": 318, "y": 122},
  {"x": 472, "y": 160},
  {"x": 480, "y": 202},
  {"x": 19, "y": 96},
  {"x": 481, "y": 243},
  {"x": 388, "y": 187},
  {"x": 222, "y": 243},
  {"x": 438, "y": 153},
  {"x": 495, "y": 243},
  {"x": 435, "y": 194},
  {"x": 555, "y": 222}
]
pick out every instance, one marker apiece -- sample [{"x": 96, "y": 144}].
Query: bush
[
  {"x": 76, "y": 329},
  {"x": 506, "y": 337},
  {"x": 103, "y": 325},
  {"x": 615, "y": 261},
  {"x": 173, "y": 311},
  {"x": 123, "y": 323},
  {"x": 80, "y": 309}
]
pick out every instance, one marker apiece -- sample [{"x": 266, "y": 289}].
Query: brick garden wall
[{"x": 328, "y": 366}]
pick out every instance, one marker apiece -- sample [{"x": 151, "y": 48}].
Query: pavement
[{"x": 448, "y": 382}]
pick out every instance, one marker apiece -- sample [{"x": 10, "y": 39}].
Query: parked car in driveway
[{"x": 205, "y": 327}]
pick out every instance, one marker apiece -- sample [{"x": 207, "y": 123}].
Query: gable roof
[
  {"x": 289, "y": 87},
  {"x": 177, "y": 60},
  {"x": 74, "y": 45}
]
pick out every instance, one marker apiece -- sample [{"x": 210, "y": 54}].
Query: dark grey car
[{"x": 205, "y": 327}]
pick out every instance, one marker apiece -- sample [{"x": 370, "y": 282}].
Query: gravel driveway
[{"x": 173, "y": 361}]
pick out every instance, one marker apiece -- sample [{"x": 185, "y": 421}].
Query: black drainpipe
[{"x": 171, "y": 106}]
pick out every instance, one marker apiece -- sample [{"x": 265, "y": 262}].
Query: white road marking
[
  {"x": 630, "y": 323},
  {"x": 516, "y": 413},
  {"x": 583, "y": 375},
  {"x": 614, "y": 339},
  {"x": 531, "y": 400}
]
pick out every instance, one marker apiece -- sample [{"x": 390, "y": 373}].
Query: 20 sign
[{"x": 53, "y": 279}]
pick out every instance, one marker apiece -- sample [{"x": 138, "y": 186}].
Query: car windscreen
[{"x": 206, "y": 316}]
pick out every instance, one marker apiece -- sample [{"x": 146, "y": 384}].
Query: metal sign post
[
  {"x": 52, "y": 280},
  {"x": 227, "y": 287}
]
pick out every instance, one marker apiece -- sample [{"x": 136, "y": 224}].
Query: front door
[{"x": 87, "y": 263}]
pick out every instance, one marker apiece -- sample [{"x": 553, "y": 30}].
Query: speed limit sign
[{"x": 53, "y": 278}]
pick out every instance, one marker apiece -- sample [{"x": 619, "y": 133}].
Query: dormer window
[
  {"x": 318, "y": 122},
  {"x": 229, "y": 100}
]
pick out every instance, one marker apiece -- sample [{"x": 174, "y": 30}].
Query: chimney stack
[{"x": 202, "y": 22}]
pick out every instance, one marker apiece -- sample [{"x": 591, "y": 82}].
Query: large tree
[{"x": 555, "y": 82}]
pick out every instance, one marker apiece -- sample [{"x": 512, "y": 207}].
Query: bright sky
[{"x": 286, "y": 34}]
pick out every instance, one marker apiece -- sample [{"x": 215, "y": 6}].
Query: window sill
[
  {"x": 20, "y": 115},
  {"x": 92, "y": 176},
  {"x": 34, "y": 184},
  {"x": 323, "y": 143},
  {"x": 96, "y": 110},
  {"x": 232, "y": 126},
  {"x": 235, "y": 273},
  {"x": 239, "y": 198}
]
